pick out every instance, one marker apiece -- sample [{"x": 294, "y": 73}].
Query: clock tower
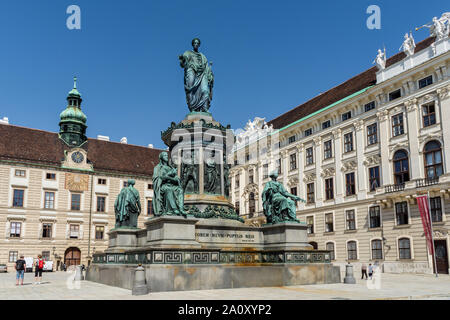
[{"x": 73, "y": 120}]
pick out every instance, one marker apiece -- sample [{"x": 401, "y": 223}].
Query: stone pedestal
[
  {"x": 171, "y": 231},
  {"x": 122, "y": 239},
  {"x": 139, "y": 284},
  {"x": 349, "y": 278},
  {"x": 286, "y": 236}
]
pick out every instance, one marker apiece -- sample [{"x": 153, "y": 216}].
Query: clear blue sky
[{"x": 269, "y": 56}]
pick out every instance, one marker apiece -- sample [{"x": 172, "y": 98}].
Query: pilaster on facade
[{"x": 444, "y": 103}]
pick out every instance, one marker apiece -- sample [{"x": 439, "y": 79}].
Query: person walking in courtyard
[
  {"x": 38, "y": 270},
  {"x": 20, "y": 270},
  {"x": 370, "y": 271},
  {"x": 363, "y": 271}
]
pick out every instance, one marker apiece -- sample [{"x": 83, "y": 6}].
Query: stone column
[
  {"x": 417, "y": 170},
  {"x": 361, "y": 172},
  {"x": 444, "y": 103},
  {"x": 338, "y": 156},
  {"x": 318, "y": 161},
  {"x": 383, "y": 134}
]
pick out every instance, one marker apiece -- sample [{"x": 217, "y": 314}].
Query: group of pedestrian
[
  {"x": 21, "y": 266},
  {"x": 371, "y": 270}
]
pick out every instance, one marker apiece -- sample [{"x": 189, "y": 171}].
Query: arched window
[
  {"x": 330, "y": 247},
  {"x": 401, "y": 167},
  {"x": 377, "y": 249},
  {"x": 251, "y": 204},
  {"x": 404, "y": 248},
  {"x": 314, "y": 245},
  {"x": 433, "y": 159},
  {"x": 351, "y": 250}
]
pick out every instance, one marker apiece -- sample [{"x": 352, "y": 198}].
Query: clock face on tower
[{"x": 77, "y": 157}]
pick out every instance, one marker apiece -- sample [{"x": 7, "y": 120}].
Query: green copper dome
[{"x": 72, "y": 113}]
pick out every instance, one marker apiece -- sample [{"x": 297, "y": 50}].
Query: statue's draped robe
[
  {"x": 127, "y": 203},
  {"x": 198, "y": 81},
  {"x": 168, "y": 196},
  {"x": 276, "y": 201},
  {"x": 211, "y": 174}
]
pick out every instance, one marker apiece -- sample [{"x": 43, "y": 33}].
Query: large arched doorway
[{"x": 72, "y": 256}]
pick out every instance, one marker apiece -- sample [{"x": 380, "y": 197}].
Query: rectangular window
[
  {"x": 372, "y": 134},
  {"x": 265, "y": 171},
  {"x": 348, "y": 142},
  {"x": 125, "y": 184},
  {"x": 237, "y": 181},
  {"x": 308, "y": 132},
  {"x": 351, "y": 250},
  {"x": 19, "y": 173},
  {"x": 149, "y": 186},
  {"x": 329, "y": 222},
  {"x": 350, "y": 183},
  {"x": 101, "y": 204},
  {"x": 251, "y": 177},
  {"x": 18, "y": 198},
  {"x": 46, "y": 255},
  {"x": 75, "y": 204},
  {"x": 47, "y": 230},
  {"x": 374, "y": 178},
  {"x": 99, "y": 232},
  {"x": 404, "y": 248},
  {"x": 326, "y": 124},
  {"x": 49, "y": 202},
  {"x": 374, "y": 217},
  {"x": 101, "y": 181},
  {"x": 401, "y": 213},
  {"x": 377, "y": 251},
  {"x": 350, "y": 219},
  {"x": 436, "y": 209},
  {"x": 397, "y": 125},
  {"x": 330, "y": 247},
  {"x": 149, "y": 207},
  {"x": 236, "y": 207},
  {"x": 369, "y": 106},
  {"x": 15, "y": 229},
  {"x": 279, "y": 166},
  {"x": 428, "y": 114},
  {"x": 329, "y": 193},
  {"x": 310, "y": 193},
  {"x": 294, "y": 191},
  {"x": 292, "y": 161},
  {"x": 327, "y": 149},
  {"x": 13, "y": 256},
  {"x": 74, "y": 231},
  {"x": 425, "y": 82},
  {"x": 291, "y": 139},
  {"x": 50, "y": 176},
  {"x": 310, "y": 223},
  {"x": 395, "y": 95},
  {"x": 346, "y": 116},
  {"x": 309, "y": 156}
]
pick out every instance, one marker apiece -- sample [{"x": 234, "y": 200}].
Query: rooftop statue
[
  {"x": 408, "y": 45},
  {"x": 168, "y": 190},
  {"x": 439, "y": 28},
  {"x": 278, "y": 204},
  {"x": 127, "y": 206},
  {"x": 380, "y": 60},
  {"x": 198, "y": 79}
]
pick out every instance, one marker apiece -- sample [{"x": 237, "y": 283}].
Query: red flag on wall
[{"x": 424, "y": 209}]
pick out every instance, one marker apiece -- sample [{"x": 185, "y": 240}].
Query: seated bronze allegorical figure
[
  {"x": 168, "y": 190},
  {"x": 278, "y": 204}
]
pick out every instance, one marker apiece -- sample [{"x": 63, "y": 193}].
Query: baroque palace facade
[
  {"x": 359, "y": 154},
  {"x": 57, "y": 190}
]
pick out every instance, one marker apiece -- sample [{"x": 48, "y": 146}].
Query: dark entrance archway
[
  {"x": 441, "y": 256},
  {"x": 72, "y": 256},
  {"x": 314, "y": 245}
]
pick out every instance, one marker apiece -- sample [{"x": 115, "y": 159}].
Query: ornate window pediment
[
  {"x": 349, "y": 166},
  {"x": 328, "y": 172},
  {"x": 372, "y": 160},
  {"x": 309, "y": 177}
]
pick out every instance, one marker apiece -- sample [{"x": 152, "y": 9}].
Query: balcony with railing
[
  {"x": 426, "y": 182},
  {"x": 394, "y": 187}
]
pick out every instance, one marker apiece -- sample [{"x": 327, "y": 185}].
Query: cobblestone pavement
[{"x": 60, "y": 285}]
